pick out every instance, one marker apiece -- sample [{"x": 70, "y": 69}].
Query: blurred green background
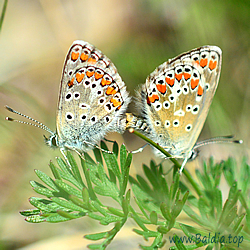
[{"x": 137, "y": 36}]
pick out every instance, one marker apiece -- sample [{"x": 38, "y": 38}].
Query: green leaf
[
  {"x": 112, "y": 164},
  {"x": 115, "y": 211},
  {"x": 46, "y": 179},
  {"x": 165, "y": 211},
  {"x": 115, "y": 149},
  {"x": 153, "y": 217},
  {"x": 123, "y": 158},
  {"x": 97, "y": 236},
  {"x": 75, "y": 170},
  {"x": 54, "y": 171},
  {"x": 41, "y": 190},
  {"x": 35, "y": 219},
  {"x": 30, "y": 212},
  {"x": 70, "y": 216},
  {"x": 68, "y": 204},
  {"x": 98, "y": 155},
  {"x": 56, "y": 218},
  {"x": 68, "y": 189}
]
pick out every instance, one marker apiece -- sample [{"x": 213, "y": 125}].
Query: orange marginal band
[
  {"x": 186, "y": 76},
  {"x": 161, "y": 88},
  {"x": 90, "y": 73},
  {"x": 153, "y": 98},
  {"x": 79, "y": 77},
  {"x": 203, "y": 62},
  {"x": 170, "y": 81},
  {"x": 115, "y": 102},
  {"x": 194, "y": 83},
  {"x": 74, "y": 56},
  {"x": 84, "y": 57},
  {"x": 105, "y": 82},
  {"x": 110, "y": 91},
  {"x": 178, "y": 76},
  {"x": 200, "y": 91},
  {"x": 91, "y": 60},
  {"x": 71, "y": 83},
  {"x": 212, "y": 64},
  {"x": 98, "y": 76}
]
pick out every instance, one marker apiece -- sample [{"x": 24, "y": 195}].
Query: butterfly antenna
[
  {"x": 220, "y": 139},
  {"x": 38, "y": 125}
]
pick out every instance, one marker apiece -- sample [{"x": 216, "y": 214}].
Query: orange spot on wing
[
  {"x": 194, "y": 83},
  {"x": 105, "y": 82},
  {"x": 178, "y": 76},
  {"x": 98, "y": 76},
  {"x": 115, "y": 102},
  {"x": 74, "y": 56},
  {"x": 186, "y": 76},
  {"x": 79, "y": 77},
  {"x": 71, "y": 83},
  {"x": 153, "y": 98},
  {"x": 212, "y": 64},
  {"x": 169, "y": 81},
  {"x": 161, "y": 88},
  {"x": 90, "y": 73},
  {"x": 110, "y": 91},
  {"x": 203, "y": 62},
  {"x": 200, "y": 91},
  {"x": 84, "y": 57},
  {"x": 91, "y": 60}
]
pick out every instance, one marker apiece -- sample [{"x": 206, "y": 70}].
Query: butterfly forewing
[
  {"x": 92, "y": 97},
  {"x": 177, "y": 96}
]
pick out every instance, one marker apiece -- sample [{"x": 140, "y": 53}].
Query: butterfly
[
  {"x": 173, "y": 104},
  {"x": 92, "y": 100}
]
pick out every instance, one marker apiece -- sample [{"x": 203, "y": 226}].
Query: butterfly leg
[
  {"x": 183, "y": 164},
  {"x": 139, "y": 150}
]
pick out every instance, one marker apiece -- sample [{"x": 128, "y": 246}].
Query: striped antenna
[
  {"x": 36, "y": 124},
  {"x": 220, "y": 139}
]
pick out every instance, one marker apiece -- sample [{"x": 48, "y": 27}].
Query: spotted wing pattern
[
  {"x": 175, "y": 100},
  {"x": 92, "y": 98}
]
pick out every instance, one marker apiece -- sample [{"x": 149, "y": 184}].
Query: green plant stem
[
  {"x": 186, "y": 173},
  {"x": 3, "y": 14}
]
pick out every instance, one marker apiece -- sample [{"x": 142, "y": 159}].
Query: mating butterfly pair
[{"x": 172, "y": 104}]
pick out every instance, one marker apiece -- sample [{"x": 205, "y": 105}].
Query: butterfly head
[{"x": 52, "y": 141}]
